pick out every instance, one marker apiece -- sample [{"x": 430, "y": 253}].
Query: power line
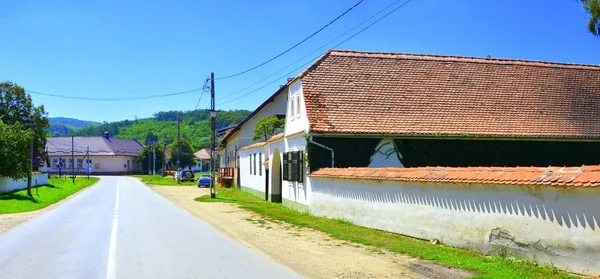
[
  {"x": 317, "y": 49},
  {"x": 205, "y": 88},
  {"x": 315, "y": 58},
  {"x": 132, "y": 98},
  {"x": 294, "y": 46}
]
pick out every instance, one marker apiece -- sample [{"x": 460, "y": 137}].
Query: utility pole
[
  {"x": 164, "y": 164},
  {"x": 73, "y": 158},
  {"x": 30, "y": 175},
  {"x": 178, "y": 138},
  {"x": 213, "y": 115},
  {"x": 154, "y": 159}
]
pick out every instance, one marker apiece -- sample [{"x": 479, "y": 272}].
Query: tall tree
[
  {"x": 186, "y": 153},
  {"x": 267, "y": 127},
  {"x": 593, "y": 8},
  {"x": 16, "y": 108}
]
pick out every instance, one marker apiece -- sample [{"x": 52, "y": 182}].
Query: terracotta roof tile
[
  {"x": 428, "y": 95},
  {"x": 275, "y": 137},
  {"x": 254, "y": 145},
  {"x": 585, "y": 176}
]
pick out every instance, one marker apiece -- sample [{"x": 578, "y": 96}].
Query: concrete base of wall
[
  {"x": 253, "y": 192},
  {"x": 295, "y": 205}
]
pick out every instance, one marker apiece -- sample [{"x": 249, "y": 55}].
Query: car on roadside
[
  {"x": 184, "y": 175},
  {"x": 204, "y": 180}
]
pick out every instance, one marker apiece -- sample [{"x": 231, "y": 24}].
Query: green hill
[
  {"x": 195, "y": 126},
  {"x": 62, "y": 126}
]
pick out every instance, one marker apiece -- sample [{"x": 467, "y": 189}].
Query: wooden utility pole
[
  {"x": 73, "y": 158},
  {"x": 213, "y": 115},
  {"x": 178, "y": 145},
  {"x": 30, "y": 175}
]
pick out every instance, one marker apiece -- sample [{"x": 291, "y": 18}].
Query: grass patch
[
  {"x": 484, "y": 266},
  {"x": 164, "y": 181},
  {"x": 44, "y": 195}
]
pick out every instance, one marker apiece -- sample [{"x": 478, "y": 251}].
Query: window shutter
[
  {"x": 294, "y": 166},
  {"x": 250, "y": 163},
  {"x": 300, "y": 166},
  {"x": 254, "y": 162},
  {"x": 260, "y": 164},
  {"x": 285, "y": 167}
]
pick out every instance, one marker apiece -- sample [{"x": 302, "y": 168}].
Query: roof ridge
[
  {"x": 104, "y": 140},
  {"x": 466, "y": 59}
]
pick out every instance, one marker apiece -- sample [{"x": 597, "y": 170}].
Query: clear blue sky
[{"x": 131, "y": 48}]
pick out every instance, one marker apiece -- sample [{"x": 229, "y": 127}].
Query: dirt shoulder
[{"x": 308, "y": 252}]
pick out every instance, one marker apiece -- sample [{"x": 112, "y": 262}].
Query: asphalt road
[{"x": 119, "y": 228}]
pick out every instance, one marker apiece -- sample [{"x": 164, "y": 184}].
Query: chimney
[{"x": 106, "y": 134}]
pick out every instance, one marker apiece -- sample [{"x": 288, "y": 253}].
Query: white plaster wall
[
  {"x": 549, "y": 225},
  {"x": 107, "y": 163},
  {"x": 297, "y": 122},
  {"x": 296, "y": 191},
  {"x": 254, "y": 181},
  {"x": 386, "y": 155},
  {"x": 9, "y": 184}
]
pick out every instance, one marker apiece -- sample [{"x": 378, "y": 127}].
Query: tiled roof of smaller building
[
  {"x": 584, "y": 176},
  {"x": 276, "y": 137},
  {"x": 254, "y": 145},
  {"x": 203, "y": 154}
]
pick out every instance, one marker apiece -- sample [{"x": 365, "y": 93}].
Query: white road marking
[{"x": 111, "y": 269}]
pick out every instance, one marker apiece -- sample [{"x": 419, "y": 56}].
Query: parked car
[
  {"x": 184, "y": 175},
  {"x": 204, "y": 180}
]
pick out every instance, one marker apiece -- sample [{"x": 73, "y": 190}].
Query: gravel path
[{"x": 308, "y": 252}]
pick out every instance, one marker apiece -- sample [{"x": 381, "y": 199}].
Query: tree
[
  {"x": 186, "y": 153},
  {"x": 593, "y": 8},
  {"x": 14, "y": 151},
  {"x": 17, "y": 110},
  {"x": 267, "y": 127},
  {"x": 147, "y": 153}
]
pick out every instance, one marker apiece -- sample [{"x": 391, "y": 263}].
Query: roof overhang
[{"x": 456, "y": 137}]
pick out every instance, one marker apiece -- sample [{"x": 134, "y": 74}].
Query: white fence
[
  {"x": 546, "y": 224},
  {"x": 9, "y": 184}
]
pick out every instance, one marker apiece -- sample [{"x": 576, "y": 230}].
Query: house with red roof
[{"x": 481, "y": 153}]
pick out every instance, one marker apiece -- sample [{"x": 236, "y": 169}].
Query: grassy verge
[
  {"x": 484, "y": 266},
  {"x": 45, "y": 195},
  {"x": 164, "y": 181}
]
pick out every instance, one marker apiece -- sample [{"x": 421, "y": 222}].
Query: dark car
[
  {"x": 185, "y": 175},
  {"x": 204, "y": 180}
]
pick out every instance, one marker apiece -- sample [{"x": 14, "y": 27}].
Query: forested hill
[
  {"x": 195, "y": 126},
  {"x": 60, "y": 126}
]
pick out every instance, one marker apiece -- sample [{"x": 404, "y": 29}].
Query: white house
[{"x": 383, "y": 113}]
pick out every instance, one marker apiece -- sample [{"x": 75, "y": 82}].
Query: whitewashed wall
[
  {"x": 107, "y": 163},
  {"x": 297, "y": 121},
  {"x": 550, "y": 225},
  {"x": 9, "y": 184},
  {"x": 255, "y": 182},
  {"x": 296, "y": 191}
]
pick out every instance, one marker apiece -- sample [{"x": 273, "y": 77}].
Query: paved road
[{"x": 121, "y": 229}]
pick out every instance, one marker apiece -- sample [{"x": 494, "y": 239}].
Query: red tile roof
[
  {"x": 275, "y": 137},
  {"x": 585, "y": 176},
  {"x": 427, "y": 95},
  {"x": 254, "y": 145}
]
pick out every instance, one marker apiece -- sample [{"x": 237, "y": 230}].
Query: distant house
[
  {"x": 202, "y": 159},
  {"x": 106, "y": 155}
]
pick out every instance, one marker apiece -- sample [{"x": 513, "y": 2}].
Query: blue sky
[{"x": 131, "y": 48}]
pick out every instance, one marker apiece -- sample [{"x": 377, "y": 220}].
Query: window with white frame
[
  {"x": 298, "y": 106},
  {"x": 260, "y": 164},
  {"x": 292, "y": 114},
  {"x": 55, "y": 163},
  {"x": 79, "y": 163}
]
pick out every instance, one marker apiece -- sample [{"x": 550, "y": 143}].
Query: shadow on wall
[{"x": 559, "y": 206}]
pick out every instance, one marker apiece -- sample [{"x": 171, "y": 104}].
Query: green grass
[
  {"x": 165, "y": 181},
  {"x": 45, "y": 195},
  {"x": 483, "y": 266}
]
